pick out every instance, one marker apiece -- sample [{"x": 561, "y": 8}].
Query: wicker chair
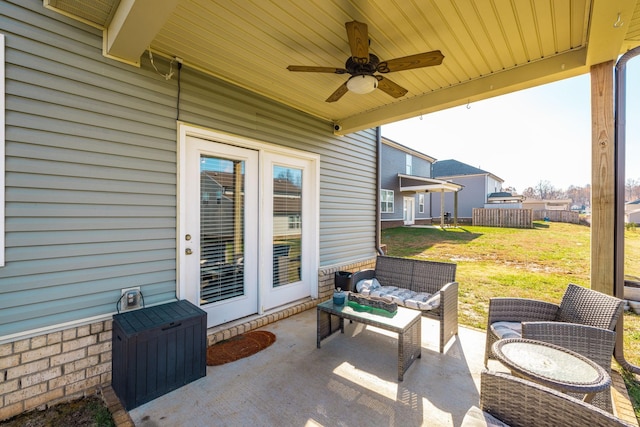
[
  {"x": 521, "y": 403},
  {"x": 583, "y": 322}
]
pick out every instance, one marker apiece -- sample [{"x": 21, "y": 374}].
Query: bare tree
[
  {"x": 544, "y": 190},
  {"x": 530, "y": 193},
  {"x": 580, "y": 196},
  {"x": 632, "y": 189}
]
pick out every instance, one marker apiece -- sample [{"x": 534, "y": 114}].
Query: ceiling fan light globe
[{"x": 362, "y": 84}]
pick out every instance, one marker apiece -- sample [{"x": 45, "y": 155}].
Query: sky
[{"x": 533, "y": 135}]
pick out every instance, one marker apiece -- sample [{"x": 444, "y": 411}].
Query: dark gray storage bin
[
  {"x": 156, "y": 350},
  {"x": 342, "y": 280}
]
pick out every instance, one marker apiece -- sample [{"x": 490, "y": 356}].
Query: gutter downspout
[
  {"x": 620, "y": 91},
  {"x": 378, "y": 186}
]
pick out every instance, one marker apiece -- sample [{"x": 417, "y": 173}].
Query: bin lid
[{"x": 133, "y": 322}]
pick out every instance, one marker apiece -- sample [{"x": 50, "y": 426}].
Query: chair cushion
[
  {"x": 507, "y": 329},
  {"x": 475, "y": 417}
]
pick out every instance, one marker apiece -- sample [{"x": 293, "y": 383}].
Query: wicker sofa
[
  {"x": 432, "y": 281},
  {"x": 506, "y": 400}
]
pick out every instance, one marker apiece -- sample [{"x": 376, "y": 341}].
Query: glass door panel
[
  {"x": 287, "y": 225},
  {"x": 221, "y": 228}
]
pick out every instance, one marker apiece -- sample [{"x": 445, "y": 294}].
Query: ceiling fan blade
[
  {"x": 313, "y": 69},
  {"x": 426, "y": 59},
  {"x": 358, "y": 35},
  {"x": 338, "y": 93},
  {"x": 391, "y": 88}
]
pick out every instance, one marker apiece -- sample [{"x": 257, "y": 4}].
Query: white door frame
[{"x": 311, "y": 240}]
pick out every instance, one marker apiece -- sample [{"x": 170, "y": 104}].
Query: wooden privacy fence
[
  {"x": 512, "y": 218},
  {"x": 557, "y": 216}
]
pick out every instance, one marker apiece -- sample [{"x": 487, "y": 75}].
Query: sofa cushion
[
  {"x": 392, "y": 293},
  {"x": 401, "y": 296},
  {"x": 423, "y": 301}
]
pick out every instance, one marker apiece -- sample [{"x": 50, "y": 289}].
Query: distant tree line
[{"x": 580, "y": 196}]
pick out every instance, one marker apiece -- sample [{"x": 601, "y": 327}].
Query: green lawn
[{"x": 530, "y": 263}]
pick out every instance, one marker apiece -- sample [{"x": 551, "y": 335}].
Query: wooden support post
[
  {"x": 441, "y": 209},
  {"x": 602, "y": 178},
  {"x": 455, "y": 209}
]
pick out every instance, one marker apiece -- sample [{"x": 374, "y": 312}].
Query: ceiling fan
[{"x": 362, "y": 65}]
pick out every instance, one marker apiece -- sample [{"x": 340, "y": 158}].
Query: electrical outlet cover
[{"x": 130, "y": 299}]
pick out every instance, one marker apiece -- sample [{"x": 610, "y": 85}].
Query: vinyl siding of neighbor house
[
  {"x": 472, "y": 195},
  {"x": 393, "y": 163},
  {"x": 91, "y": 170}
]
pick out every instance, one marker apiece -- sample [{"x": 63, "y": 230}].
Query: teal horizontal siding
[{"x": 91, "y": 164}]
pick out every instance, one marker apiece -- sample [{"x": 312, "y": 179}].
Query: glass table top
[{"x": 550, "y": 362}]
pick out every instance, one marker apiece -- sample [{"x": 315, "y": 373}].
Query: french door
[
  {"x": 248, "y": 237},
  {"x": 288, "y": 202},
  {"x": 221, "y": 254}
]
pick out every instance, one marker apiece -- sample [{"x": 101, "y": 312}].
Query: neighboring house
[
  {"x": 478, "y": 186},
  {"x": 504, "y": 200},
  {"x": 406, "y": 186},
  {"x": 547, "y": 204},
  {"x": 632, "y": 212}
]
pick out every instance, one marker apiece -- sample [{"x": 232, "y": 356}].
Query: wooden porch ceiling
[{"x": 491, "y": 47}]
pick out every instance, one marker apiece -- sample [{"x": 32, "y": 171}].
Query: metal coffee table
[
  {"x": 406, "y": 323},
  {"x": 552, "y": 366}
]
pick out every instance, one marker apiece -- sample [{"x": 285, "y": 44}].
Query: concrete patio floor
[{"x": 350, "y": 381}]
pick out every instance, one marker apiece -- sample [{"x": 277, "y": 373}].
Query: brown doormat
[{"x": 240, "y": 346}]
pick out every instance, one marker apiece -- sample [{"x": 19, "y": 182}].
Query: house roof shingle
[{"x": 455, "y": 167}]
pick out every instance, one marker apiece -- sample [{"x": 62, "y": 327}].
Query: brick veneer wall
[
  {"x": 44, "y": 370},
  {"x": 326, "y": 276}
]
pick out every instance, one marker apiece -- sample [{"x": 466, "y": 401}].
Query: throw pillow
[{"x": 365, "y": 286}]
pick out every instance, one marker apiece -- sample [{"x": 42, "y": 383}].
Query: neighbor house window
[
  {"x": 421, "y": 203},
  {"x": 295, "y": 223},
  {"x": 408, "y": 163},
  {"x": 386, "y": 201}
]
